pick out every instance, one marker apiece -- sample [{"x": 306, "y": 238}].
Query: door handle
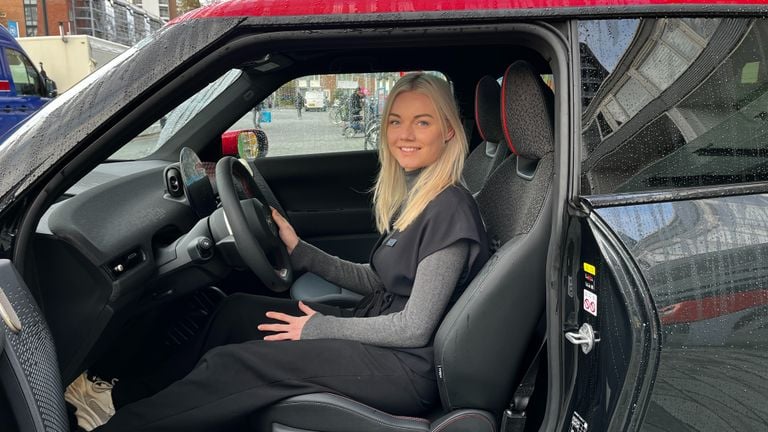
[{"x": 586, "y": 337}]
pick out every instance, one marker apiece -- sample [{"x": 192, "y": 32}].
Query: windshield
[{"x": 153, "y": 137}]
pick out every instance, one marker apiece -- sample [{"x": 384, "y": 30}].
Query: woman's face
[{"x": 414, "y": 135}]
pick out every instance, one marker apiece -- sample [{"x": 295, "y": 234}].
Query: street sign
[{"x": 13, "y": 28}]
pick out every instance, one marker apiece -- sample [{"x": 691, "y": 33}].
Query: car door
[
  {"x": 609, "y": 326},
  {"x": 667, "y": 243},
  {"x": 25, "y": 89},
  {"x": 327, "y": 198}
]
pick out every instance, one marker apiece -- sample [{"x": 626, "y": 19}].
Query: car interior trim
[
  {"x": 624, "y": 199},
  {"x": 646, "y": 349}
]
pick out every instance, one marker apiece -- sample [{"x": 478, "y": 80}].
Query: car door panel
[
  {"x": 704, "y": 261},
  {"x": 327, "y": 198},
  {"x": 602, "y": 294}
]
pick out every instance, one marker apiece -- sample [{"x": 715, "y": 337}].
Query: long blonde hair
[{"x": 390, "y": 193}]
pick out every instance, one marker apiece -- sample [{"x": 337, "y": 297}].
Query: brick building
[{"x": 121, "y": 21}]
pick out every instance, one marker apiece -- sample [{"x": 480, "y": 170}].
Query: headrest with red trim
[
  {"x": 527, "y": 112},
  {"x": 488, "y": 109}
]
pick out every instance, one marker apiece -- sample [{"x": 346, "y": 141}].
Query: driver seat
[
  {"x": 480, "y": 163},
  {"x": 481, "y": 344}
]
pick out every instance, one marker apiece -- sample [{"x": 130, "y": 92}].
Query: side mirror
[
  {"x": 50, "y": 88},
  {"x": 248, "y": 144}
]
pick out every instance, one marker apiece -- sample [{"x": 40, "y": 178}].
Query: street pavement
[
  {"x": 313, "y": 133},
  {"x": 287, "y": 134}
]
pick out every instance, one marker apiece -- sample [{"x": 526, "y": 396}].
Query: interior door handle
[{"x": 586, "y": 337}]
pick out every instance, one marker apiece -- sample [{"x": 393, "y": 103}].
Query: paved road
[
  {"x": 288, "y": 135},
  {"x": 313, "y": 133}
]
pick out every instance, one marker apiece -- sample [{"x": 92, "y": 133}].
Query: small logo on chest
[{"x": 391, "y": 242}]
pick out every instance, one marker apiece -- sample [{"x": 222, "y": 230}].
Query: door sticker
[
  {"x": 589, "y": 276},
  {"x": 578, "y": 424},
  {"x": 590, "y": 302},
  {"x": 589, "y": 268},
  {"x": 589, "y": 281}
]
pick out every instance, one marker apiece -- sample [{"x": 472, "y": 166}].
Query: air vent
[{"x": 173, "y": 182}]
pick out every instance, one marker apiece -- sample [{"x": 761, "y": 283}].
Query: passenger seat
[{"x": 493, "y": 150}]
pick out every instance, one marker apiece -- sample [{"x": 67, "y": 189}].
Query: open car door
[{"x": 609, "y": 341}]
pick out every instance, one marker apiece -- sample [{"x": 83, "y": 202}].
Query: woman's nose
[{"x": 408, "y": 133}]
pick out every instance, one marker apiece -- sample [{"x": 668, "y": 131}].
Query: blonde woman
[{"x": 260, "y": 350}]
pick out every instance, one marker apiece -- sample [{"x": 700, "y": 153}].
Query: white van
[{"x": 314, "y": 100}]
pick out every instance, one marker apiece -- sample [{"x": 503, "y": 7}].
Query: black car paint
[
  {"x": 707, "y": 255},
  {"x": 612, "y": 382}
]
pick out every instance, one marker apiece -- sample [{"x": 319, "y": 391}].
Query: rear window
[{"x": 673, "y": 103}]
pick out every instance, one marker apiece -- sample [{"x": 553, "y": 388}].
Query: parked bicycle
[{"x": 339, "y": 111}]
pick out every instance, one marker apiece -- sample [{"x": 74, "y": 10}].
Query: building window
[{"x": 30, "y": 17}]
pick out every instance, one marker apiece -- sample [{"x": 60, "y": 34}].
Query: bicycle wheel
[
  {"x": 334, "y": 116},
  {"x": 372, "y": 138}
]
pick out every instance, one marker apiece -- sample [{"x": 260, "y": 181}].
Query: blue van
[{"x": 23, "y": 90}]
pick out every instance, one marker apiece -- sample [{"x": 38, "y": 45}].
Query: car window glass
[
  {"x": 149, "y": 140},
  {"x": 25, "y": 76},
  {"x": 673, "y": 102},
  {"x": 323, "y": 113}
]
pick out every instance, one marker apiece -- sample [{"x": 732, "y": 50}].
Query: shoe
[{"x": 92, "y": 399}]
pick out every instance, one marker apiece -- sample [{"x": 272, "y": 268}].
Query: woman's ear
[{"x": 449, "y": 136}]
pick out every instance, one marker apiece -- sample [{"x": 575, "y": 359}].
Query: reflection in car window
[
  {"x": 149, "y": 140},
  {"x": 674, "y": 102},
  {"x": 323, "y": 113}
]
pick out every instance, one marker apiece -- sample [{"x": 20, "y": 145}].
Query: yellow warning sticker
[{"x": 589, "y": 268}]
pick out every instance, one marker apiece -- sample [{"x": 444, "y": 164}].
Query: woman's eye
[
  {"x": 394, "y": 122},
  {"x": 423, "y": 123}
]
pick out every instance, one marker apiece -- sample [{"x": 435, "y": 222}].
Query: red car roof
[{"x": 273, "y": 8}]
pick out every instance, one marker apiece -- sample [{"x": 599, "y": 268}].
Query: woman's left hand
[{"x": 293, "y": 326}]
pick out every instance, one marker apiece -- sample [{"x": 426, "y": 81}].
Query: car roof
[{"x": 280, "y": 8}]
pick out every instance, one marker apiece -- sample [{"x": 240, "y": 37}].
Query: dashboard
[{"x": 99, "y": 254}]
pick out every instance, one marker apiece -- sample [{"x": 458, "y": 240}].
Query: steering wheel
[{"x": 249, "y": 219}]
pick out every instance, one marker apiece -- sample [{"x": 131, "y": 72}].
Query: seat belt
[{"x": 514, "y": 417}]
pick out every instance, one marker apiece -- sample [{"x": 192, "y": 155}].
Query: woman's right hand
[{"x": 287, "y": 233}]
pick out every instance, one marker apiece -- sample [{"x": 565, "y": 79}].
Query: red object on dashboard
[{"x": 229, "y": 143}]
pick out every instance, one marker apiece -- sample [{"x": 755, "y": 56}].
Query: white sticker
[
  {"x": 590, "y": 302},
  {"x": 578, "y": 424}
]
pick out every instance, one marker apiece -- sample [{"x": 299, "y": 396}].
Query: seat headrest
[
  {"x": 488, "y": 109},
  {"x": 527, "y": 112}
]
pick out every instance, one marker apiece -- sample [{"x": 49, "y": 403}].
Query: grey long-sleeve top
[{"x": 436, "y": 278}]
